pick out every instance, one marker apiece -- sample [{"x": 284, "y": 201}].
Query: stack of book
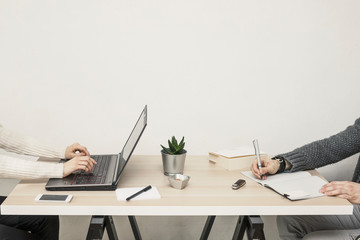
[{"x": 233, "y": 159}]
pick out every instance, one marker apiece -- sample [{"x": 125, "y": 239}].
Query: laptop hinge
[{"x": 116, "y": 167}]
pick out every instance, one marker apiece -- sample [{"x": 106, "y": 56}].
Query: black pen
[{"x": 138, "y": 193}]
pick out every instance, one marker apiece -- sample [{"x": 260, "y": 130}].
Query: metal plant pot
[{"x": 173, "y": 164}]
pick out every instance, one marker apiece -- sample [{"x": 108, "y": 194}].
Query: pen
[
  {"x": 138, "y": 193},
  {"x": 257, "y": 152}
]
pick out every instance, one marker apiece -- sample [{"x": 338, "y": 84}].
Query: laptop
[{"x": 106, "y": 173}]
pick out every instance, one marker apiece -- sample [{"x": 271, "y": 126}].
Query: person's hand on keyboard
[
  {"x": 75, "y": 150},
  {"x": 85, "y": 163}
]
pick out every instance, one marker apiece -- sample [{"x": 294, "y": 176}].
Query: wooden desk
[{"x": 207, "y": 193}]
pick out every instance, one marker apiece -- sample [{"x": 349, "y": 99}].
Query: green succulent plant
[{"x": 174, "y": 147}]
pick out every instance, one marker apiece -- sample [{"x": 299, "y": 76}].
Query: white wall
[{"x": 221, "y": 73}]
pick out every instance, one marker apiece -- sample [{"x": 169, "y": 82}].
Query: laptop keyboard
[{"x": 98, "y": 175}]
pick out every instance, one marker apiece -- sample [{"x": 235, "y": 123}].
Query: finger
[
  {"x": 76, "y": 154},
  {"x": 333, "y": 193},
  {"x": 88, "y": 170},
  {"x": 259, "y": 173},
  {"x": 344, "y": 196},
  {"x": 92, "y": 163},
  {"x": 255, "y": 170},
  {"x": 79, "y": 167},
  {"x": 88, "y": 163},
  {"x": 328, "y": 186},
  {"x": 265, "y": 170},
  {"x": 257, "y": 176},
  {"x": 322, "y": 189},
  {"x": 84, "y": 167},
  {"x": 83, "y": 150},
  {"x": 84, "y": 160},
  {"x": 77, "y": 147},
  {"x": 333, "y": 186},
  {"x": 88, "y": 166},
  {"x": 256, "y": 173}
]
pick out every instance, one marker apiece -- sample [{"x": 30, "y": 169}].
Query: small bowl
[{"x": 178, "y": 181}]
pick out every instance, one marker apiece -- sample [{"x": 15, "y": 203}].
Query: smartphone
[{"x": 53, "y": 198}]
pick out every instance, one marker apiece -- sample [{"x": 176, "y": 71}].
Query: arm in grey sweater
[{"x": 326, "y": 151}]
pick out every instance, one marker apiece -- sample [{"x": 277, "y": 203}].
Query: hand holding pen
[{"x": 263, "y": 165}]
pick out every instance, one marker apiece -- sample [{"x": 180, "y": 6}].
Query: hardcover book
[{"x": 233, "y": 159}]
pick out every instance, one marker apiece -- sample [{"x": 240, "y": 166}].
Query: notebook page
[
  {"x": 277, "y": 177},
  {"x": 300, "y": 188}
]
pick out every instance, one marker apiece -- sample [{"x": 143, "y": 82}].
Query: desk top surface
[{"x": 207, "y": 193}]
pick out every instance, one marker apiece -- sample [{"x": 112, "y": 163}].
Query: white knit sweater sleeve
[
  {"x": 17, "y": 168},
  {"x": 17, "y": 143},
  {"x": 12, "y": 167}
]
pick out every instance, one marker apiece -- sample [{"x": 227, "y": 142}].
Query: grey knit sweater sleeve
[{"x": 326, "y": 151}]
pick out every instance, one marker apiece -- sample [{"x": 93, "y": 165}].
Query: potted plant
[{"x": 173, "y": 157}]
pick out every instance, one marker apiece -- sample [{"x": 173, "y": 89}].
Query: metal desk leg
[
  {"x": 253, "y": 225},
  {"x": 97, "y": 226},
  {"x": 256, "y": 228},
  {"x": 110, "y": 228},
  {"x": 207, "y": 228},
  {"x": 134, "y": 227},
  {"x": 240, "y": 228}
]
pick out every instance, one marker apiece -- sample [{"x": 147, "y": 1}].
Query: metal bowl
[{"x": 178, "y": 181}]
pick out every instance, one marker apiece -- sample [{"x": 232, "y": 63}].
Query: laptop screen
[
  {"x": 135, "y": 135},
  {"x": 132, "y": 141}
]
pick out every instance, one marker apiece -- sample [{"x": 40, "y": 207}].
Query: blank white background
[{"x": 220, "y": 73}]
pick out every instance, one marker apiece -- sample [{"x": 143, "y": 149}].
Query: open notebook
[{"x": 294, "y": 186}]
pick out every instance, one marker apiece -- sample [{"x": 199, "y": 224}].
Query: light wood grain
[{"x": 208, "y": 193}]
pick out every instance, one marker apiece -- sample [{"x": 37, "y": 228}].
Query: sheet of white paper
[
  {"x": 123, "y": 193},
  {"x": 237, "y": 151}
]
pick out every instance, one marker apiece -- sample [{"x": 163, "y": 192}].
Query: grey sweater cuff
[{"x": 296, "y": 159}]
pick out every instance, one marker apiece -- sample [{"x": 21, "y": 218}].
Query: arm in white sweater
[
  {"x": 17, "y": 143},
  {"x": 17, "y": 168},
  {"x": 12, "y": 167}
]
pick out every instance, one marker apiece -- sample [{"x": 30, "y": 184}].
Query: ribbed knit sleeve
[
  {"x": 326, "y": 151},
  {"x": 13, "y": 142},
  {"x": 12, "y": 167}
]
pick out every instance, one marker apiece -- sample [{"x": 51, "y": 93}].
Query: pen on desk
[
  {"x": 138, "y": 193},
  {"x": 257, "y": 153}
]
